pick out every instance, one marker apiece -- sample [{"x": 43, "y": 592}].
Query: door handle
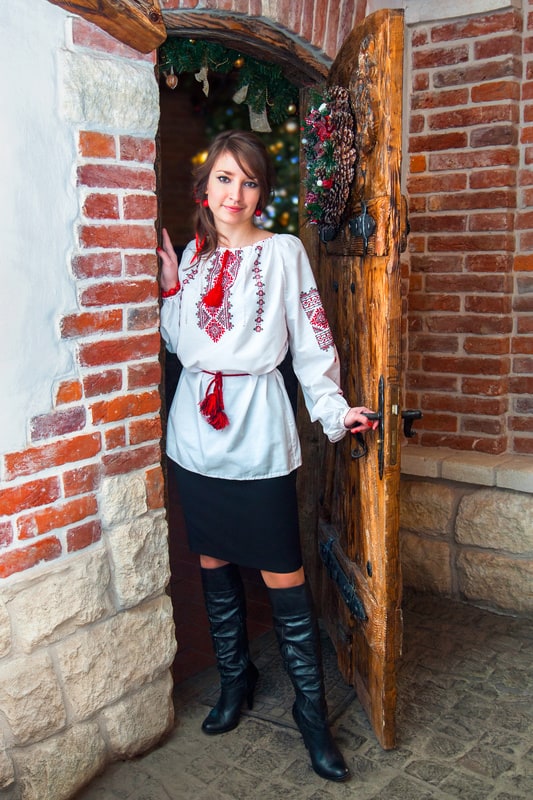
[{"x": 409, "y": 416}]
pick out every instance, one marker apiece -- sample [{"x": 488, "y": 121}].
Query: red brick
[
  {"x": 438, "y": 222},
  {"x": 524, "y": 324},
  {"x": 144, "y": 318},
  {"x": 524, "y": 304},
  {"x": 521, "y": 385},
  {"x": 57, "y": 423},
  {"x": 132, "y": 459},
  {"x": 107, "y": 176},
  {"x": 433, "y": 343},
  {"x": 131, "y": 405},
  {"x": 155, "y": 488},
  {"x": 490, "y": 178},
  {"x": 56, "y": 516},
  {"x": 522, "y": 344},
  {"x": 462, "y": 323},
  {"x": 145, "y": 430},
  {"x": 498, "y": 46},
  {"x": 119, "y": 293},
  {"x": 488, "y": 305},
  {"x": 524, "y": 219},
  {"x": 97, "y": 145},
  {"x": 497, "y": 90},
  {"x": 438, "y": 183},
  {"x": 494, "y": 136},
  {"x": 475, "y": 26},
  {"x": 473, "y": 242},
  {"x": 419, "y": 37},
  {"x": 432, "y": 263},
  {"x": 140, "y": 206},
  {"x": 487, "y": 345},
  {"x": 476, "y": 115},
  {"x": 140, "y": 375},
  {"x": 522, "y": 445},
  {"x": 24, "y": 558},
  {"x": 69, "y": 391},
  {"x": 491, "y": 222},
  {"x": 464, "y": 442},
  {"x": 523, "y": 366},
  {"x": 65, "y": 451},
  {"x": 489, "y": 387},
  {"x": 472, "y": 159},
  {"x": 97, "y": 265},
  {"x": 102, "y": 382},
  {"x": 421, "y": 380},
  {"x": 417, "y": 164},
  {"x": 115, "y": 438},
  {"x": 523, "y": 424},
  {"x": 83, "y": 536},
  {"x": 6, "y": 533},
  {"x": 477, "y": 73},
  {"x": 417, "y": 123},
  {"x": 466, "y": 366},
  {"x": 87, "y": 323},
  {"x": 440, "y": 141},
  {"x": 464, "y": 405},
  {"x": 81, "y": 480},
  {"x": 502, "y": 198},
  {"x": 437, "y": 422},
  {"x": 524, "y": 262},
  {"x": 489, "y": 262},
  {"x": 85, "y": 34},
  {"x": 139, "y": 237},
  {"x": 101, "y": 206},
  {"x": 28, "y": 495},
  {"x": 450, "y": 97},
  {"x": 133, "y": 148},
  {"x": 492, "y": 427},
  {"x": 439, "y": 57},
  {"x": 120, "y": 351},
  {"x": 434, "y": 302},
  {"x": 420, "y": 81},
  {"x": 141, "y": 264},
  {"x": 469, "y": 282}
]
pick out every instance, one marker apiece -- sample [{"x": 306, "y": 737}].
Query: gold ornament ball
[
  {"x": 239, "y": 62},
  {"x": 291, "y": 109},
  {"x": 284, "y": 219},
  {"x": 291, "y": 126}
]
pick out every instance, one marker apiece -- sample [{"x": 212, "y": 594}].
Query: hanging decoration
[
  {"x": 328, "y": 143},
  {"x": 260, "y": 85}
]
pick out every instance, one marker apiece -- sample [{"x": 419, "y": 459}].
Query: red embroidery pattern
[
  {"x": 216, "y": 321},
  {"x": 258, "y": 278},
  {"x": 312, "y": 305}
]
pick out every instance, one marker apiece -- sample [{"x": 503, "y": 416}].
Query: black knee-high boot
[
  {"x": 298, "y": 637},
  {"x": 226, "y": 609}
]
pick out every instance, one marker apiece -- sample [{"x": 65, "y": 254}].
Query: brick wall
[{"x": 470, "y": 295}]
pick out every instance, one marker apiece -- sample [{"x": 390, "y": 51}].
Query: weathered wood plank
[{"x": 137, "y": 23}]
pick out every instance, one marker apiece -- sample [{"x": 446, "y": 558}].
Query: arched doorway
[{"x": 182, "y": 135}]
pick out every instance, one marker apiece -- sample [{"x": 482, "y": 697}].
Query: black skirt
[{"x": 252, "y": 523}]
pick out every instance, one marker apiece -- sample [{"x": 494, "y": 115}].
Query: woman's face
[{"x": 233, "y": 195}]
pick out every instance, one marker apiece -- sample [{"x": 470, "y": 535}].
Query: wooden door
[{"x": 352, "y": 502}]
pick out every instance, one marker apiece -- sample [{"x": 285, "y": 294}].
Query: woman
[{"x": 242, "y": 298}]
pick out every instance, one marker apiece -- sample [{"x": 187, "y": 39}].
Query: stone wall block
[
  {"x": 138, "y": 722},
  {"x": 427, "y": 507},
  {"x": 501, "y": 520},
  {"x": 426, "y": 563},
  {"x": 117, "y": 656},
  {"x": 122, "y": 498},
  {"x": 139, "y": 553},
  {"x": 107, "y": 94},
  {"x": 496, "y": 580},
  {"x": 58, "y": 767},
  {"x": 30, "y": 698},
  {"x": 7, "y": 773},
  {"x": 5, "y": 630},
  {"x": 67, "y": 598}
]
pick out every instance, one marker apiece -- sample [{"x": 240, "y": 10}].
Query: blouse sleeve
[
  {"x": 170, "y": 309},
  {"x": 315, "y": 357}
]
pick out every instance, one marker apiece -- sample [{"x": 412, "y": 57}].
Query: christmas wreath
[{"x": 328, "y": 146}]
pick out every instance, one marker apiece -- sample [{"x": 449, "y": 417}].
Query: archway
[{"x": 305, "y": 67}]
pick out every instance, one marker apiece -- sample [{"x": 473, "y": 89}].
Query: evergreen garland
[{"x": 267, "y": 88}]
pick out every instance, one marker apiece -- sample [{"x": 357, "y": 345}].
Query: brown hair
[{"x": 252, "y": 157}]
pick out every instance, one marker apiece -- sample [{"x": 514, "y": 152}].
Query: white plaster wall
[{"x": 38, "y": 205}]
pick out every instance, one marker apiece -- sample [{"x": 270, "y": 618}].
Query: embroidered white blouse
[{"x": 270, "y": 303}]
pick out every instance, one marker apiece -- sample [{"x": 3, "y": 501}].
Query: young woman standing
[{"x": 242, "y": 298}]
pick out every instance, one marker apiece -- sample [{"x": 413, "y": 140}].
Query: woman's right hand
[{"x": 169, "y": 263}]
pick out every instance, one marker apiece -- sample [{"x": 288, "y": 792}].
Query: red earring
[
  {"x": 205, "y": 202},
  {"x": 258, "y": 212}
]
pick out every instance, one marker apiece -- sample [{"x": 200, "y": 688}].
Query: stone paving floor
[{"x": 465, "y": 728}]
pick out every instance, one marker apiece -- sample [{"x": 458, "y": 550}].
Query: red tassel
[
  {"x": 212, "y": 406},
  {"x": 214, "y": 297}
]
